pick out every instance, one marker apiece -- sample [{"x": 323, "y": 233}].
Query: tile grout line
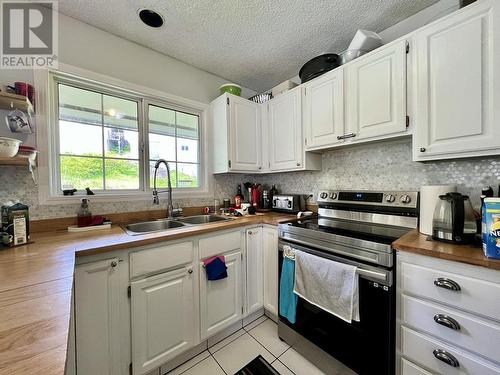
[
  {"x": 189, "y": 368},
  {"x": 248, "y": 330},
  {"x": 242, "y": 329},
  {"x": 216, "y": 361},
  {"x": 267, "y": 350},
  {"x": 285, "y": 365}
]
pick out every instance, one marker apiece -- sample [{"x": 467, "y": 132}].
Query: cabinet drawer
[
  {"x": 474, "y": 334},
  {"x": 148, "y": 261},
  {"x": 419, "y": 348},
  {"x": 220, "y": 244},
  {"x": 409, "y": 368},
  {"x": 475, "y": 295}
]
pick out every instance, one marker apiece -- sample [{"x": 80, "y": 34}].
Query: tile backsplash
[{"x": 386, "y": 165}]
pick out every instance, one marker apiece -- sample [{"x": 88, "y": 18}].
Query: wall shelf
[
  {"x": 16, "y": 160},
  {"x": 13, "y": 101}
]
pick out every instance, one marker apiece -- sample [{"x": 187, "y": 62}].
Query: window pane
[
  {"x": 78, "y": 139},
  {"x": 78, "y": 105},
  {"x": 161, "y": 147},
  {"x": 120, "y": 113},
  {"x": 161, "y": 180},
  {"x": 187, "y": 125},
  {"x": 161, "y": 121},
  {"x": 187, "y": 175},
  {"x": 79, "y": 173},
  {"x": 121, "y": 143},
  {"x": 122, "y": 174},
  {"x": 187, "y": 150}
]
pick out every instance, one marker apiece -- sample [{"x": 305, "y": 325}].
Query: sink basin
[
  {"x": 152, "y": 226},
  {"x": 203, "y": 219}
]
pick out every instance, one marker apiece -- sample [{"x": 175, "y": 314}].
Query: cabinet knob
[
  {"x": 422, "y": 149},
  {"x": 114, "y": 264},
  {"x": 190, "y": 271},
  {"x": 298, "y": 164},
  {"x": 260, "y": 167},
  {"x": 250, "y": 232}
]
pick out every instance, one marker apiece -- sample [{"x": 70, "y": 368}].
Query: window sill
[{"x": 123, "y": 197}]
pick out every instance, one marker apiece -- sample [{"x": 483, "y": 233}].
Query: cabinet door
[
  {"x": 270, "y": 255},
  {"x": 245, "y": 135},
  {"x": 324, "y": 109},
  {"x": 97, "y": 316},
  {"x": 254, "y": 274},
  {"x": 376, "y": 93},
  {"x": 458, "y": 84},
  {"x": 163, "y": 318},
  {"x": 285, "y": 131},
  {"x": 221, "y": 300}
]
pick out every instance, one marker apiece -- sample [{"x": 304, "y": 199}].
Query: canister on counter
[
  {"x": 15, "y": 224},
  {"x": 491, "y": 228}
]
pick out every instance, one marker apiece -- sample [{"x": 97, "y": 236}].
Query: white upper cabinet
[
  {"x": 376, "y": 93},
  {"x": 458, "y": 84},
  {"x": 324, "y": 110},
  {"x": 285, "y": 131},
  {"x": 237, "y": 138},
  {"x": 163, "y": 318}
]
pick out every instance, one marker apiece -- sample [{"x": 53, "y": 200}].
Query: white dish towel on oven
[{"x": 330, "y": 285}]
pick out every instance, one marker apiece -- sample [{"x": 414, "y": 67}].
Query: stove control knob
[
  {"x": 389, "y": 198},
  {"x": 405, "y": 199},
  {"x": 323, "y": 195},
  {"x": 333, "y": 195}
]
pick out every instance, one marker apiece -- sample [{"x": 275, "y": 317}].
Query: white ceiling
[{"x": 256, "y": 43}]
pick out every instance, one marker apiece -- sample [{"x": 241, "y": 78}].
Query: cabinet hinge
[
  {"x": 305, "y": 140},
  {"x": 130, "y": 368},
  {"x": 407, "y": 47},
  {"x": 241, "y": 310},
  {"x": 229, "y": 163},
  {"x": 227, "y": 101},
  {"x": 129, "y": 291},
  {"x": 305, "y": 90},
  {"x": 407, "y": 121}
]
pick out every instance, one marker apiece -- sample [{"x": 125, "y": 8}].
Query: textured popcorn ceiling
[{"x": 256, "y": 43}]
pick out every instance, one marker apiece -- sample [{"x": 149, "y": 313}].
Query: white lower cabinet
[
  {"x": 99, "y": 336},
  {"x": 270, "y": 261},
  {"x": 448, "y": 320},
  {"x": 163, "y": 318},
  {"x": 221, "y": 302},
  {"x": 254, "y": 272}
]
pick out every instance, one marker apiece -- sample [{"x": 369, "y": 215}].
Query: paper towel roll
[{"x": 429, "y": 195}]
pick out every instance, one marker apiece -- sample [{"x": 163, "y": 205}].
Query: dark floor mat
[{"x": 258, "y": 366}]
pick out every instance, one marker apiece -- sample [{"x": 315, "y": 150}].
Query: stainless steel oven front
[{"x": 367, "y": 346}]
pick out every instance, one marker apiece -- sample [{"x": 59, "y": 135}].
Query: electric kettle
[{"x": 454, "y": 219}]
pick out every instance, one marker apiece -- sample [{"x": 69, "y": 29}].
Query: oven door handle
[{"x": 376, "y": 275}]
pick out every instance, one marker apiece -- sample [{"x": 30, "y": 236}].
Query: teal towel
[{"x": 288, "y": 299}]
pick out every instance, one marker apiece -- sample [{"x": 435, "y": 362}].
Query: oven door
[{"x": 367, "y": 346}]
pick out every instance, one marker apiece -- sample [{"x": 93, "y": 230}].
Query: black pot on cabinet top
[{"x": 318, "y": 66}]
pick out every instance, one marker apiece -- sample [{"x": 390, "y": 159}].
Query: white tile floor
[{"x": 259, "y": 337}]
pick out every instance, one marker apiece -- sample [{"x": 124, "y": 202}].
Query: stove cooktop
[{"x": 380, "y": 233}]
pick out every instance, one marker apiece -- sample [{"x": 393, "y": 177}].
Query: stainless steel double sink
[{"x": 168, "y": 224}]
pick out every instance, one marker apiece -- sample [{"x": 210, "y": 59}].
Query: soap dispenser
[{"x": 84, "y": 214}]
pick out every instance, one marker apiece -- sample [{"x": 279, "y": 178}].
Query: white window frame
[{"x": 46, "y": 120}]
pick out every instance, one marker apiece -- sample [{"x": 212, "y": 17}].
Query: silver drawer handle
[
  {"x": 446, "y": 357},
  {"x": 445, "y": 283},
  {"x": 350, "y": 135},
  {"x": 447, "y": 321}
]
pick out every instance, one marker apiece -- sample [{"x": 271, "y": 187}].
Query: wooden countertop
[
  {"x": 35, "y": 289},
  {"x": 415, "y": 242}
]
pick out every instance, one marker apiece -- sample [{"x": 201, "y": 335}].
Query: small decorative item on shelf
[
  {"x": 89, "y": 192},
  {"x": 230, "y": 88},
  {"x": 9, "y": 147},
  {"x": 19, "y": 122},
  {"x": 69, "y": 191},
  {"x": 261, "y": 98}
]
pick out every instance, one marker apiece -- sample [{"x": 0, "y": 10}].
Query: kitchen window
[{"x": 108, "y": 138}]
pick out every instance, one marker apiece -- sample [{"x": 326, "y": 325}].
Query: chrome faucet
[{"x": 156, "y": 200}]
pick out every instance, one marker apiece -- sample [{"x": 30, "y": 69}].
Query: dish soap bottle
[{"x": 84, "y": 216}]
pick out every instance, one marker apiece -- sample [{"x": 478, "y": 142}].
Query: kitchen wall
[
  {"x": 385, "y": 165},
  {"x": 90, "y": 48}
]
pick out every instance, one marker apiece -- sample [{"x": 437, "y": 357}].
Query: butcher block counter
[
  {"x": 36, "y": 282},
  {"x": 415, "y": 242}
]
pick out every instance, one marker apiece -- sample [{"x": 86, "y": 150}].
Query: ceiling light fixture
[{"x": 151, "y": 18}]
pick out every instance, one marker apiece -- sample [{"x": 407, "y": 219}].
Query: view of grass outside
[{"x": 99, "y": 143}]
